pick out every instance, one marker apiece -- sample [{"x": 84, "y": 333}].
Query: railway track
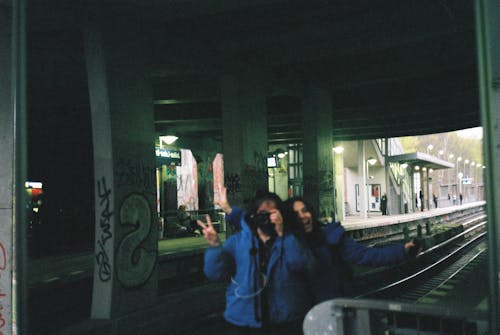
[{"x": 442, "y": 266}]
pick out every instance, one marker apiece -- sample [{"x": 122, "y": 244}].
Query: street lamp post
[
  {"x": 370, "y": 161},
  {"x": 429, "y": 148},
  {"x": 465, "y": 196},
  {"x": 471, "y": 174},
  {"x": 450, "y": 157},
  {"x": 458, "y": 187}
]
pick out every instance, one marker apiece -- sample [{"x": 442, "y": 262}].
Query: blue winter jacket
[
  {"x": 237, "y": 263},
  {"x": 332, "y": 249}
]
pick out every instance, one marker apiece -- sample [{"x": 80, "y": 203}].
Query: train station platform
[
  {"x": 75, "y": 266},
  {"x": 376, "y": 219}
]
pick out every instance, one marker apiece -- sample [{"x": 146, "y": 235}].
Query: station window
[{"x": 295, "y": 164}]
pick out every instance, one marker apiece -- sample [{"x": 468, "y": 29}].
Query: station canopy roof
[{"x": 421, "y": 159}]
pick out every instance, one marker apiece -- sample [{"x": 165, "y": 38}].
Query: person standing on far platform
[
  {"x": 264, "y": 266},
  {"x": 383, "y": 204},
  {"x": 421, "y": 196},
  {"x": 461, "y": 198},
  {"x": 331, "y": 276},
  {"x": 435, "y": 199}
]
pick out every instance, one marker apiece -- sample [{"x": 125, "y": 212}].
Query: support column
[
  {"x": 363, "y": 190},
  {"x": 7, "y": 126},
  {"x": 339, "y": 186},
  {"x": 318, "y": 143},
  {"x": 427, "y": 190},
  {"x": 488, "y": 34},
  {"x": 244, "y": 122},
  {"x": 125, "y": 271},
  {"x": 387, "y": 177}
]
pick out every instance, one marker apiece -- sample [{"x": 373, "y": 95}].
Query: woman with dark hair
[
  {"x": 264, "y": 266},
  {"x": 333, "y": 249}
]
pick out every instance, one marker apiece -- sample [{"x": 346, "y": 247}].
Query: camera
[{"x": 262, "y": 220}]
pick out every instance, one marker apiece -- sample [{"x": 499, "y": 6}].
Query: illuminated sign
[{"x": 168, "y": 157}]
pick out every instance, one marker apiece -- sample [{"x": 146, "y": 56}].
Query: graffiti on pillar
[
  {"x": 322, "y": 186},
  {"x": 233, "y": 183},
  {"x": 3, "y": 296},
  {"x": 255, "y": 179},
  {"x": 260, "y": 161},
  {"x": 130, "y": 172},
  {"x": 325, "y": 181},
  {"x": 105, "y": 232},
  {"x": 134, "y": 262},
  {"x": 3, "y": 258}
]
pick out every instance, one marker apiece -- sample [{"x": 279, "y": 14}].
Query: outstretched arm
[
  {"x": 222, "y": 201},
  {"x": 360, "y": 254}
]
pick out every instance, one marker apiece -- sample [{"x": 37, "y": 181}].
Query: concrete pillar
[
  {"x": 427, "y": 190},
  {"x": 387, "y": 177},
  {"x": 363, "y": 180},
  {"x": 125, "y": 271},
  {"x": 318, "y": 143},
  {"x": 6, "y": 172},
  {"x": 412, "y": 181},
  {"x": 488, "y": 48},
  {"x": 244, "y": 122},
  {"x": 338, "y": 168}
]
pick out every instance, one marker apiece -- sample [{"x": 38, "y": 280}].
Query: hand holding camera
[{"x": 267, "y": 224}]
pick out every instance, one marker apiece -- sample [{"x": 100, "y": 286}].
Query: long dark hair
[{"x": 292, "y": 218}]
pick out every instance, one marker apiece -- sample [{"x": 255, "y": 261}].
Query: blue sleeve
[
  {"x": 235, "y": 217},
  {"x": 297, "y": 257},
  {"x": 360, "y": 254},
  {"x": 219, "y": 261}
]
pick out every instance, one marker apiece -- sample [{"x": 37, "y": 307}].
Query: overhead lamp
[
  {"x": 404, "y": 165},
  {"x": 338, "y": 149},
  {"x": 479, "y": 166},
  {"x": 424, "y": 169},
  {"x": 371, "y": 160},
  {"x": 430, "y": 170},
  {"x": 168, "y": 139},
  {"x": 430, "y": 147},
  {"x": 459, "y": 158},
  {"x": 417, "y": 168},
  {"x": 466, "y": 161},
  {"x": 460, "y": 175},
  {"x": 440, "y": 152},
  {"x": 33, "y": 184},
  {"x": 450, "y": 156},
  {"x": 472, "y": 163},
  {"x": 282, "y": 155}
]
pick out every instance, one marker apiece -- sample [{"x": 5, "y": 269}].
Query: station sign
[
  {"x": 466, "y": 181},
  {"x": 168, "y": 157}
]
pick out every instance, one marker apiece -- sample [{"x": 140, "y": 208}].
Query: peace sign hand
[{"x": 209, "y": 232}]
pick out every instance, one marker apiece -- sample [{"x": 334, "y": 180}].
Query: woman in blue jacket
[
  {"x": 333, "y": 249},
  {"x": 264, "y": 268}
]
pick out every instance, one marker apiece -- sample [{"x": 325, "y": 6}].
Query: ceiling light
[
  {"x": 371, "y": 160},
  {"x": 338, "y": 150},
  {"x": 169, "y": 139}
]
